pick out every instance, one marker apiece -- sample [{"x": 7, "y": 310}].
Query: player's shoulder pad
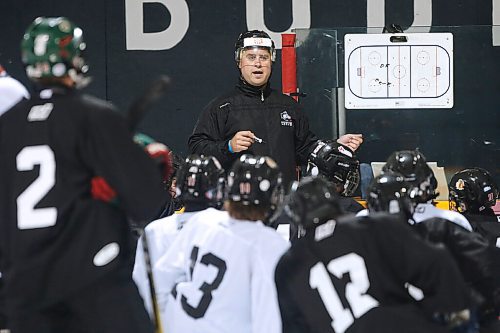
[{"x": 379, "y": 218}]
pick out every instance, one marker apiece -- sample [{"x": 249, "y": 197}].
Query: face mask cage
[{"x": 352, "y": 182}]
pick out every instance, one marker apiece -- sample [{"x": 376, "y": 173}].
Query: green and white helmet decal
[{"x": 52, "y": 47}]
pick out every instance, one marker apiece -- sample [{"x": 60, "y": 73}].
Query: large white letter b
[{"x": 163, "y": 40}]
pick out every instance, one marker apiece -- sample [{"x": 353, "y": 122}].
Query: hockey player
[
  {"x": 338, "y": 165},
  {"x": 66, "y": 256},
  {"x": 390, "y": 193},
  {"x": 217, "y": 276},
  {"x": 473, "y": 192},
  {"x": 200, "y": 185},
  {"x": 413, "y": 166},
  {"x": 11, "y": 91},
  {"x": 169, "y": 163},
  {"x": 349, "y": 274},
  {"x": 255, "y": 118}
]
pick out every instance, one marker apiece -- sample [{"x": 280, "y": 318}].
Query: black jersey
[
  {"x": 488, "y": 225},
  {"x": 54, "y": 238},
  {"x": 471, "y": 252},
  {"x": 350, "y": 276}
]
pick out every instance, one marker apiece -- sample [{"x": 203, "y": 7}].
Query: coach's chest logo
[{"x": 286, "y": 120}]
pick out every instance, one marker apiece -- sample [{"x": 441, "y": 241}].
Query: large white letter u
[{"x": 301, "y": 18}]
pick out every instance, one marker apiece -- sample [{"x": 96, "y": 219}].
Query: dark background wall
[{"x": 201, "y": 66}]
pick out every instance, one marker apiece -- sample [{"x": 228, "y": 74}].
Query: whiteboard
[{"x": 381, "y": 73}]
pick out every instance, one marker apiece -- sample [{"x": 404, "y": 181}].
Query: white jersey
[
  {"x": 218, "y": 276},
  {"x": 425, "y": 211},
  {"x": 160, "y": 233},
  {"x": 11, "y": 93}
]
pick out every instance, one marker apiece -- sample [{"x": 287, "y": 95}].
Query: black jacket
[{"x": 270, "y": 115}]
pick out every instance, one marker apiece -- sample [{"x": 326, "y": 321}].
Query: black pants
[{"x": 112, "y": 305}]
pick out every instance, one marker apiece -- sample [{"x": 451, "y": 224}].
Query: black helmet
[
  {"x": 254, "y": 39},
  {"x": 472, "y": 190},
  {"x": 389, "y": 192},
  {"x": 412, "y": 165},
  {"x": 337, "y": 163},
  {"x": 312, "y": 201},
  {"x": 255, "y": 180},
  {"x": 200, "y": 179}
]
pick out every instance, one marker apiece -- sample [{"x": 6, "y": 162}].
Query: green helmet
[{"x": 52, "y": 47}]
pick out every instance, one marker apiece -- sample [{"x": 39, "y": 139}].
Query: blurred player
[
  {"x": 218, "y": 275},
  {"x": 473, "y": 192},
  {"x": 11, "y": 91},
  {"x": 67, "y": 256},
  {"x": 349, "y": 275}
]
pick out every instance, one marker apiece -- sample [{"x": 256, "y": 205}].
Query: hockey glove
[{"x": 163, "y": 158}]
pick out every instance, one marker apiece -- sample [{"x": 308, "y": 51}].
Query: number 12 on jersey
[{"x": 355, "y": 291}]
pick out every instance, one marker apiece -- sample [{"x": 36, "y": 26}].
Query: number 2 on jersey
[
  {"x": 206, "y": 288},
  {"x": 355, "y": 291},
  {"x": 29, "y": 217}
]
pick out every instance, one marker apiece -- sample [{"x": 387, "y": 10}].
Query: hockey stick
[
  {"x": 135, "y": 114},
  {"x": 143, "y": 103},
  {"x": 149, "y": 271}
]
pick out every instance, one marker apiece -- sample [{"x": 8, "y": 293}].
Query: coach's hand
[
  {"x": 352, "y": 141},
  {"x": 241, "y": 141}
]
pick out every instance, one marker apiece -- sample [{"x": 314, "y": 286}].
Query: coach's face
[{"x": 255, "y": 66}]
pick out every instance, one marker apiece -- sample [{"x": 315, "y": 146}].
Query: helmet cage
[
  {"x": 200, "y": 179},
  {"x": 337, "y": 163}
]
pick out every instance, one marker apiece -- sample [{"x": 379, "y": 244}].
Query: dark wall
[{"x": 201, "y": 65}]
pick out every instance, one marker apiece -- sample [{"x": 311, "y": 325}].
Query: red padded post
[{"x": 288, "y": 65}]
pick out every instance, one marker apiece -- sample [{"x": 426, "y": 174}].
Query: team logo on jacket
[{"x": 286, "y": 120}]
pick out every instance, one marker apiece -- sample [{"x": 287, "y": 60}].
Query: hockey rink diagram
[{"x": 398, "y": 76}]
